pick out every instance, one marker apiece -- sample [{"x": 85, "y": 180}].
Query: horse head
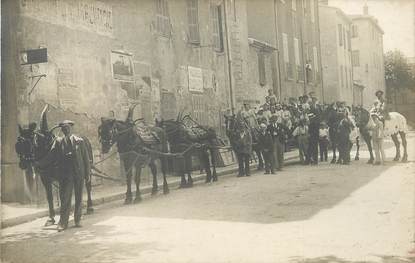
[
  {"x": 362, "y": 116},
  {"x": 106, "y": 133},
  {"x": 33, "y": 144}
]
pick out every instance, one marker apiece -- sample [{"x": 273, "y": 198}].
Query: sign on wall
[
  {"x": 87, "y": 15},
  {"x": 122, "y": 66},
  {"x": 195, "y": 79}
]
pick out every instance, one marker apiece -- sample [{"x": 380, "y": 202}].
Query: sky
[{"x": 396, "y": 18}]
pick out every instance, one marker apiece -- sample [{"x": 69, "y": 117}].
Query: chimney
[{"x": 365, "y": 9}]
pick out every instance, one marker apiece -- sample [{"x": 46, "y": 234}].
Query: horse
[
  {"x": 187, "y": 136},
  {"x": 394, "y": 125},
  {"x": 36, "y": 153},
  {"x": 333, "y": 118},
  {"x": 240, "y": 139},
  {"x": 134, "y": 151}
]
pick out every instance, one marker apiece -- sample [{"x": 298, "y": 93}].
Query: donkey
[
  {"x": 36, "y": 153},
  {"x": 132, "y": 149}
]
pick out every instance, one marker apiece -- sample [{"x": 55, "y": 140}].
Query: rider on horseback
[{"x": 379, "y": 106}]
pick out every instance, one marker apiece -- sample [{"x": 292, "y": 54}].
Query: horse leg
[
  {"x": 397, "y": 146},
  {"x": 163, "y": 163},
  {"x": 189, "y": 171},
  {"x": 137, "y": 183},
  {"x": 89, "y": 208},
  {"x": 404, "y": 144},
  {"x": 334, "y": 153},
  {"x": 356, "y": 158},
  {"x": 206, "y": 163},
  {"x": 212, "y": 156},
  {"x": 47, "y": 183},
  {"x": 182, "y": 168},
  {"x": 128, "y": 194},
  {"x": 153, "y": 169}
]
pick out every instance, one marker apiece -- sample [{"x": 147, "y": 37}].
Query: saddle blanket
[{"x": 146, "y": 135}]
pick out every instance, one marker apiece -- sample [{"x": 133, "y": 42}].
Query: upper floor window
[
  {"x": 193, "y": 20},
  {"x": 355, "y": 58},
  {"x": 355, "y": 31},
  {"x": 163, "y": 20},
  {"x": 312, "y": 15},
  {"x": 340, "y": 30},
  {"x": 261, "y": 69},
  {"x": 216, "y": 13},
  {"x": 294, "y": 4}
]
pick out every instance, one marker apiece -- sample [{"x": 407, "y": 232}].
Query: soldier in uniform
[{"x": 75, "y": 168}]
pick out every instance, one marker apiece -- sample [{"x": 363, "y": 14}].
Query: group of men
[
  {"x": 74, "y": 164},
  {"x": 302, "y": 119}
]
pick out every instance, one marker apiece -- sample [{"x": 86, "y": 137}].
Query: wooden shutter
[{"x": 193, "y": 20}]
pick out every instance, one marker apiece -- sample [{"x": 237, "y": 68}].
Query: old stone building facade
[
  {"x": 202, "y": 57},
  {"x": 336, "y": 56},
  {"x": 367, "y": 56}
]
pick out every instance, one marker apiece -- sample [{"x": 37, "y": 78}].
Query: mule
[
  {"x": 132, "y": 150},
  {"x": 36, "y": 153},
  {"x": 182, "y": 137},
  {"x": 395, "y": 125}
]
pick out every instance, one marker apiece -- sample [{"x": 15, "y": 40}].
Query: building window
[
  {"x": 193, "y": 20},
  {"x": 163, "y": 20},
  {"x": 355, "y": 58},
  {"x": 216, "y": 12},
  {"x": 355, "y": 31},
  {"x": 349, "y": 43},
  {"x": 346, "y": 77},
  {"x": 299, "y": 68},
  {"x": 341, "y": 77},
  {"x": 294, "y": 4},
  {"x": 312, "y": 11},
  {"x": 340, "y": 29},
  {"x": 315, "y": 60},
  {"x": 261, "y": 69},
  {"x": 288, "y": 68}
]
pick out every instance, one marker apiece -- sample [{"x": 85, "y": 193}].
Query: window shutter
[
  {"x": 340, "y": 29},
  {"x": 193, "y": 20},
  {"x": 261, "y": 69}
]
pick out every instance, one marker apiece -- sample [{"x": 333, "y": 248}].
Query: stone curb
[{"x": 119, "y": 196}]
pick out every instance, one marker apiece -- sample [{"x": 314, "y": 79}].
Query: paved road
[{"x": 324, "y": 213}]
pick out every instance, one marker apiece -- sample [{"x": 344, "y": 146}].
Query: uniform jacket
[{"x": 81, "y": 161}]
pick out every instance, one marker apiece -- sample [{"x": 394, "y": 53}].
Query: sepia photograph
[{"x": 207, "y": 131}]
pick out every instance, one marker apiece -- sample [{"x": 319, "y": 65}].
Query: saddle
[
  {"x": 195, "y": 131},
  {"x": 146, "y": 134}
]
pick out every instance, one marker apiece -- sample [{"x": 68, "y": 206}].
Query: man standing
[{"x": 75, "y": 168}]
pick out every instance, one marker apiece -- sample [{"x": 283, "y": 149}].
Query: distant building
[
  {"x": 336, "y": 50},
  {"x": 367, "y": 55}
]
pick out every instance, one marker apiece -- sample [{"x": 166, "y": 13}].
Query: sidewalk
[{"x": 14, "y": 214}]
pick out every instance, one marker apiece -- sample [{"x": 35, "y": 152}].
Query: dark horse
[
  {"x": 35, "y": 151},
  {"x": 134, "y": 151},
  {"x": 187, "y": 137},
  {"x": 333, "y": 118},
  {"x": 394, "y": 125},
  {"x": 240, "y": 139}
]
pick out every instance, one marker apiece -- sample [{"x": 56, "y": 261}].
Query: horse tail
[{"x": 88, "y": 148}]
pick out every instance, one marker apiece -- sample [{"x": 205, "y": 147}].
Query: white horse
[{"x": 394, "y": 125}]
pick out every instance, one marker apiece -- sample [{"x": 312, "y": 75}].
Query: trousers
[
  {"x": 243, "y": 164},
  {"x": 269, "y": 161},
  {"x": 67, "y": 184}
]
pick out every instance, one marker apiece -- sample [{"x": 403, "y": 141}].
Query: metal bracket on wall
[{"x": 37, "y": 81}]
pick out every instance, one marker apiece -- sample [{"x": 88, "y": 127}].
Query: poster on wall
[
  {"x": 122, "y": 66},
  {"x": 195, "y": 79}
]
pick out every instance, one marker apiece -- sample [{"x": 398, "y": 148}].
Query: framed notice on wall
[
  {"x": 122, "y": 66},
  {"x": 195, "y": 79}
]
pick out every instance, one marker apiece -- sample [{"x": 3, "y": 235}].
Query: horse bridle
[{"x": 114, "y": 133}]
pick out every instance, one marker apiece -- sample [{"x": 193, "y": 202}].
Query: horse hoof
[
  {"x": 356, "y": 158},
  {"x": 89, "y": 210},
  {"x": 128, "y": 201},
  {"x": 396, "y": 159},
  {"x": 154, "y": 191},
  {"x": 166, "y": 191},
  {"x": 404, "y": 159},
  {"x": 182, "y": 185},
  {"x": 208, "y": 180},
  {"x": 370, "y": 161},
  {"x": 137, "y": 200},
  {"x": 215, "y": 179},
  {"x": 333, "y": 161},
  {"x": 189, "y": 184},
  {"x": 50, "y": 222}
]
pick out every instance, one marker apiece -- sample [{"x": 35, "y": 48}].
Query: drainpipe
[
  {"x": 320, "y": 65},
  {"x": 278, "y": 49},
  {"x": 228, "y": 53}
]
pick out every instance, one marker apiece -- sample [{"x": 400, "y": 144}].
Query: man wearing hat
[
  {"x": 75, "y": 168},
  {"x": 379, "y": 106}
]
